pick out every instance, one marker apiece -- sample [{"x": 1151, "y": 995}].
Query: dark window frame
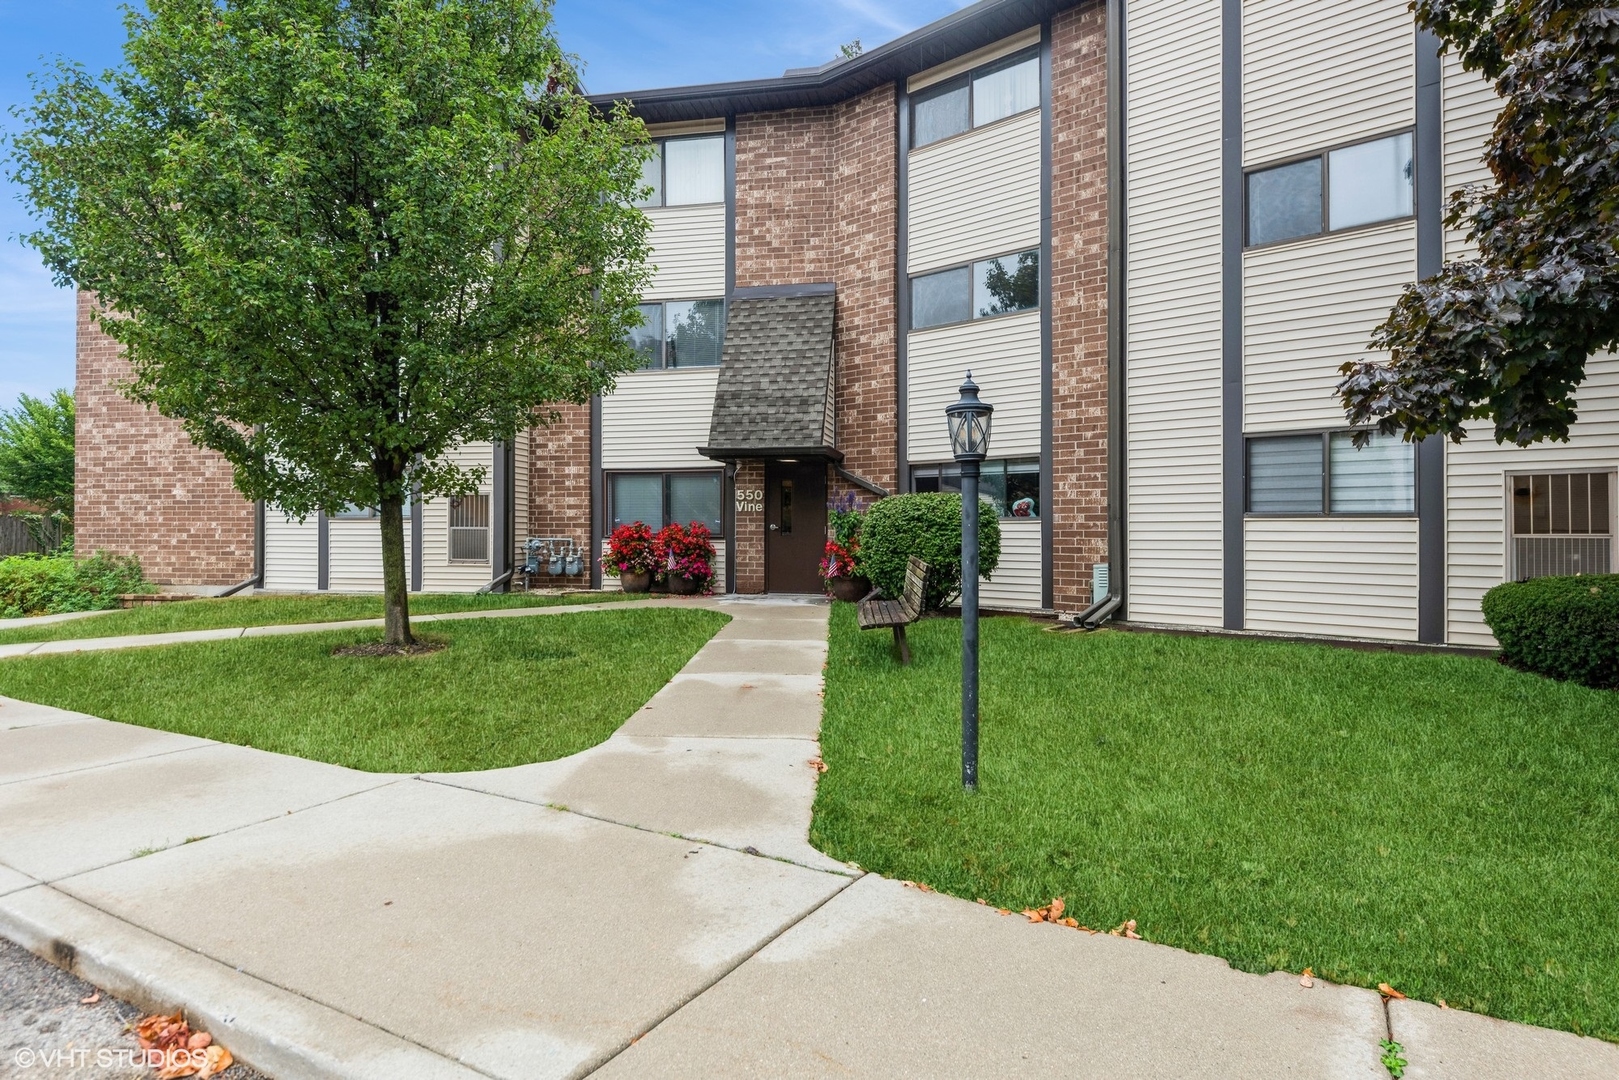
[
  {"x": 1324, "y": 155},
  {"x": 663, "y": 169},
  {"x": 1040, "y": 301},
  {"x": 1326, "y": 510},
  {"x": 967, "y": 78},
  {"x": 938, "y": 468},
  {"x": 663, "y": 337},
  {"x": 609, "y": 475}
]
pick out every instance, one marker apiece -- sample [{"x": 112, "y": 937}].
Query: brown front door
[{"x": 795, "y": 526}]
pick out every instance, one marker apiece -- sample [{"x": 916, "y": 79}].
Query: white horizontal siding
[
  {"x": 439, "y": 574},
  {"x": 1004, "y": 355},
  {"x": 1338, "y": 576},
  {"x": 354, "y": 554},
  {"x": 1172, "y": 308},
  {"x": 975, "y": 195},
  {"x": 1470, "y": 108},
  {"x": 1320, "y": 72},
  {"x": 688, "y": 252},
  {"x": 1476, "y": 511},
  {"x": 658, "y": 419},
  {"x": 1309, "y": 307},
  {"x": 520, "y": 530},
  {"x": 291, "y": 552},
  {"x": 610, "y": 577},
  {"x": 1018, "y": 577}
]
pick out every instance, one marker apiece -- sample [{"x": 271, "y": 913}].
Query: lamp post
[{"x": 968, "y": 419}]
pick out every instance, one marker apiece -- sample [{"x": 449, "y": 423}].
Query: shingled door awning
[{"x": 775, "y": 396}]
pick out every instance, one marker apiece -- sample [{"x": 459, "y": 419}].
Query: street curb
[{"x": 271, "y": 1029}]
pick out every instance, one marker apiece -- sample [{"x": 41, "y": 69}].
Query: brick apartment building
[{"x": 1153, "y": 230}]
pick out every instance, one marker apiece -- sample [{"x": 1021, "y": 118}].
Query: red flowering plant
[
  {"x": 631, "y": 549},
  {"x": 685, "y": 551},
  {"x": 839, "y": 560}
]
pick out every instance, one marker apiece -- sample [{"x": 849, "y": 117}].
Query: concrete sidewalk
[{"x": 648, "y": 908}]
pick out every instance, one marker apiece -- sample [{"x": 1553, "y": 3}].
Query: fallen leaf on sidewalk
[
  {"x": 184, "y": 1052},
  {"x": 1442, "y": 1004},
  {"x": 817, "y": 764},
  {"x": 917, "y": 885},
  {"x": 1305, "y": 980},
  {"x": 1389, "y": 992},
  {"x": 92, "y": 999},
  {"x": 1126, "y": 929}
]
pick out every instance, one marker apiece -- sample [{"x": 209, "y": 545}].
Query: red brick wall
[
  {"x": 749, "y": 536},
  {"x": 559, "y": 484},
  {"x": 816, "y": 201},
  {"x": 1078, "y": 301},
  {"x": 142, "y": 487}
]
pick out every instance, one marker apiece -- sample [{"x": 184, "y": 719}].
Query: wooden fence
[{"x": 16, "y": 539}]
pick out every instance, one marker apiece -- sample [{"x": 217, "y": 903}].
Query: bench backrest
[{"x": 916, "y": 581}]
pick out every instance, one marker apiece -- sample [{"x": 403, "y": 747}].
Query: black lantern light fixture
[{"x": 969, "y": 441}]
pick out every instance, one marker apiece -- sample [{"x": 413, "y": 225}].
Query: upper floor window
[
  {"x": 685, "y": 171},
  {"x": 997, "y": 286},
  {"x": 1325, "y": 474},
  {"x": 680, "y": 334},
  {"x": 1012, "y": 486},
  {"x": 1339, "y": 189},
  {"x": 981, "y": 96}
]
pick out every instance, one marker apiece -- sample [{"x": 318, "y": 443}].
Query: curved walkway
[{"x": 648, "y": 908}]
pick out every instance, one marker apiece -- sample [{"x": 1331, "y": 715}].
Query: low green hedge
[
  {"x": 1564, "y": 627},
  {"x": 926, "y": 524},
  {"x": 52, "y": 584}
]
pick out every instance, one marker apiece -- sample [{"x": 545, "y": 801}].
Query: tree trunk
[{"x": 395, "y": 587}]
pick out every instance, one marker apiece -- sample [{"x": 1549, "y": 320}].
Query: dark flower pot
[
  {"x": 848, "y": 589},
  {"x": 680, "y": 585},
  {"x": 641, "y": 582}
]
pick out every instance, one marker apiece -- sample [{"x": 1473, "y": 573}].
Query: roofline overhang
[
  {"x": 772, "y": 453},
  {"x": 957, "y": 34}
]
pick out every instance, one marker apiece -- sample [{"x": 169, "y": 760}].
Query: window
[
  {"x": 983, "y": 289},
  {"x": 990, "y": 93},
  {"x": 680, "y": 334},
  {"x": 355, "y": 512},
  {"x": 1011, "y": 486},
  {"x": 469, "y": 528},
  {"x": 1324, "y": 473},
  {"x": 685, "y": 171},
  {"x": 659, "y": 499},
  {"x": 1339, "y": 189},
  {"x": 1562, "y": 523}
]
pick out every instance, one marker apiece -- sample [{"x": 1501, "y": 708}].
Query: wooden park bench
[{"x": 876, "y": 613}]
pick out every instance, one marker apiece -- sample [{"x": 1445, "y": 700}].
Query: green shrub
[
  {"x": 51, "y": 584},
  {"x": 926, "y": 524},
  {"x": 1565, "y": 627}
]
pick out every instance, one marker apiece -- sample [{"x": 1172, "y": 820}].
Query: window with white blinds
[{"x": 1324, "y": 473}]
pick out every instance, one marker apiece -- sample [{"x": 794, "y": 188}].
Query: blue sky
[{"x": 625, "y": 45}]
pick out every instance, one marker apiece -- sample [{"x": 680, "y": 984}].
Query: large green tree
[
  {"x": 339, "y": 237},
  {"x": 1504, "y": 336},
  {"x": 36, "y": 457}
]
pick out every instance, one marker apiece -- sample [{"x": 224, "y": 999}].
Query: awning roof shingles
[{"x": 775, "y": 392}]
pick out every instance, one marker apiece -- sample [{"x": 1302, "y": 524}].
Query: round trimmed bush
[
  {"x": 1564, "y": 627},
  {"x": 928, "y": 525}
]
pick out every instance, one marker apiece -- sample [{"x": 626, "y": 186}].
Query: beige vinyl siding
[
  {"x": 1471, "y": 105},
  {"x": 291, "y": 552},
  {"x": 1017, "y": 580},
  {"x": 1307, "y": 308},
  {"x": 520, "y": 462},
  {"x": 975, "y": 195},
  {"x": 1338, "y": 576},
  {"x": 658, "y": 419},
  {"x": 1320, "y": 72},
  {"x": 1004, "y": 355},
  {"x": 1172, "y": 310},
  {"x": 688, "y": 252},
  {"x": 439, "y": 574},
  {"x": 1476, "y": 511},
  {"x": 354, "y": 554},
  {"x": 610, "y": 578}
]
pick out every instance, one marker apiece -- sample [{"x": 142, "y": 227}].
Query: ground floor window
[
  {"x": 469, "y": 528},
  {"x": 1561, "y": 523},
  {"x": 1012, "y": 485},
  {"x": 1324, "y": 473},
  {"x": 659, "y": 499}
]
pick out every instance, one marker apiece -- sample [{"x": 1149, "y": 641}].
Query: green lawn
[
  {"x": 206, "y": 614},
  {"x": 1441, "y": 823},
  {"x": 505, "y": 692}
]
